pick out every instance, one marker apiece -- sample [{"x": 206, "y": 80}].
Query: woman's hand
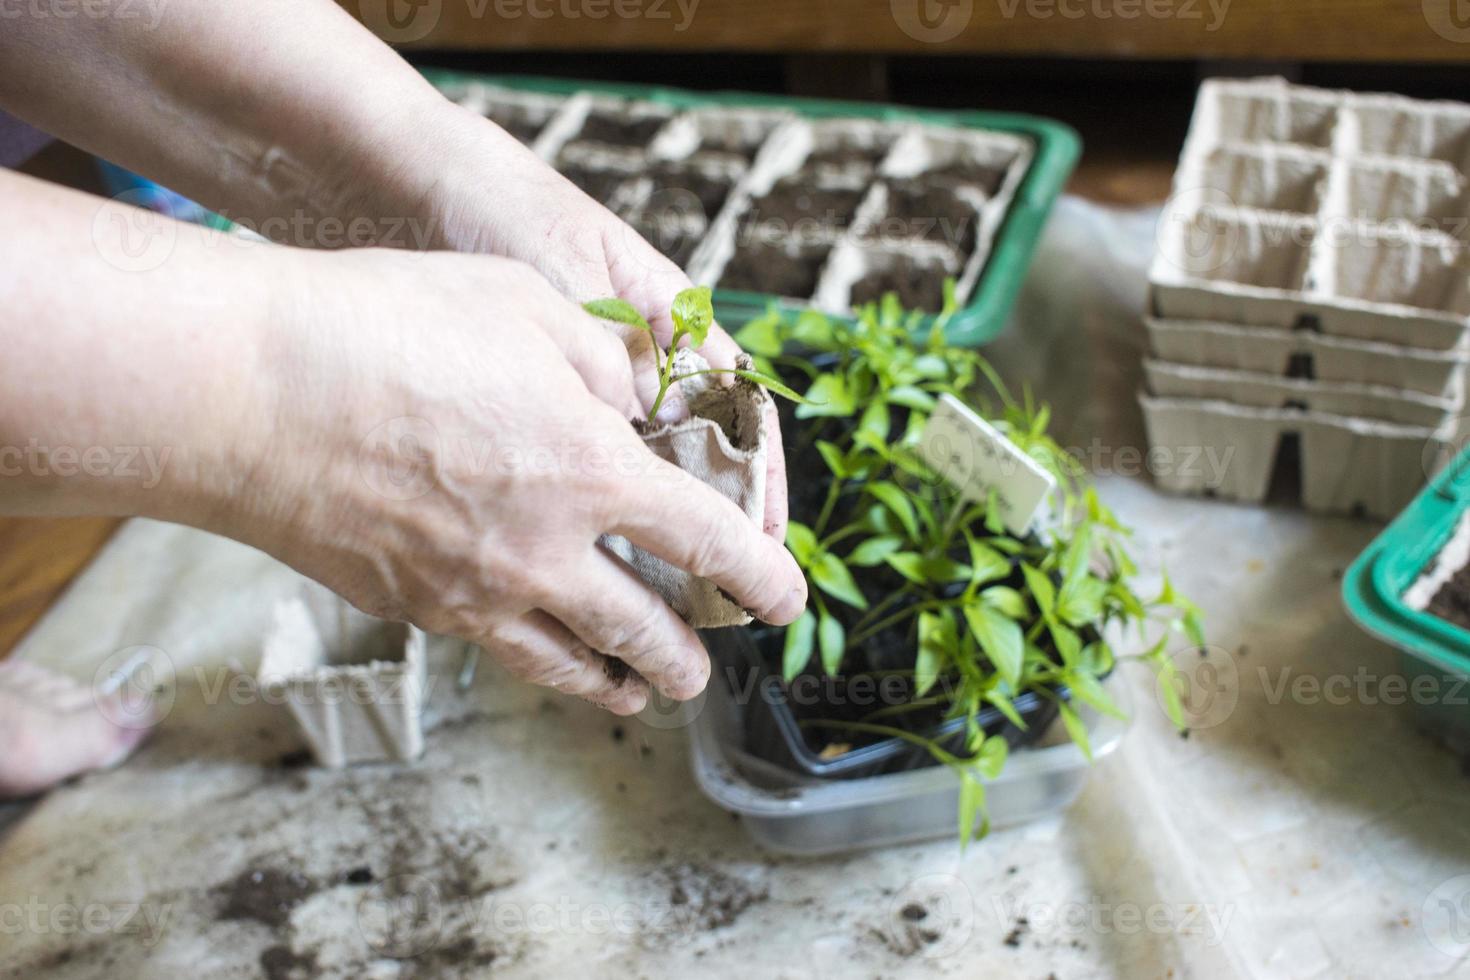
[
  {"x": 488, "y": 193},
  {"x": 449, "y": 438}
]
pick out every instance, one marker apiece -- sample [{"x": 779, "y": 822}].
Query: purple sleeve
[{"x": 18, "y": 141}]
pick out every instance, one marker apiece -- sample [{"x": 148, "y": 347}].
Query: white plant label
[{"x": 976, "y": 458}]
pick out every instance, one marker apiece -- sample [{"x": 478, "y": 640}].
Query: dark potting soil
[
  {"x": 598, "y": 184},
  {"x": 984, "y": 177},
  {"x": 677, "y": 186},
  {"x": 618, "y": 129},
  {"x": 847, "y": 158},
  {"x": 264, "y": 895},
  {"x": 794, "y": 199},
  {"x": 762, "y": 267},
  {"x": 518, "y": 122},
  {"x": 935, "y": 214},
  {"x": 919, "y": 286},
  {"x": 669, "y": 238},
  {"x": 1452, "y": 601},
  {"x": 735, "y": 143}
]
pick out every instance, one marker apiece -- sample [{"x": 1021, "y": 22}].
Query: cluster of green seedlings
[
  {"x": 864, "y": 410},
  {"x": 981, "y": 634}
]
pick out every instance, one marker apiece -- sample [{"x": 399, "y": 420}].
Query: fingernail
[{"x": 790, "y": 607}]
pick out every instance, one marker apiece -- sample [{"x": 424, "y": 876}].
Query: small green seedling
[{"x": 693, "y": 315}]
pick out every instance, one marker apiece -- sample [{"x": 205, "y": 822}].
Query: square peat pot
[
  {"x": 1390, "y": 586},
  {"x": 803, "y": 804},
  {"x": 353, "y": 684}
]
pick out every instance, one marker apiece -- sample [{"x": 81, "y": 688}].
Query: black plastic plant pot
[{"x": 773, "y": 732}]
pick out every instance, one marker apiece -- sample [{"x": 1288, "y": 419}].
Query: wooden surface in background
[
  {"x": 38, "y": 558},
  {"x": 1293, "y": 30}
]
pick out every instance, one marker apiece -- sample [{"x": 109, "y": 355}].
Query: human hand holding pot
[{"x": 452, "y": 459}]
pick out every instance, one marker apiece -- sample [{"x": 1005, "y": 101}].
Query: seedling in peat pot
[{"x": 693, "y": 315}]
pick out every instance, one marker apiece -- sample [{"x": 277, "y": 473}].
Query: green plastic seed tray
[
  {"x": 1375, "y": 585},
  {"x": 802, "y": 203}
]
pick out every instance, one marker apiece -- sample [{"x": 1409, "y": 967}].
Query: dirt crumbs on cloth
[
  {"x": 264, "y": 895},
  {"x": 1018, "y": 932},
  {"x": 705, "y": 898},
  {"x": 913, "y": 930},
  {"x": 280, "y": 963}
]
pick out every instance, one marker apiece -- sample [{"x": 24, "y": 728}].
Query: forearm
[
  {"x": 126, "y": 392},
  {"x": 279, "y": 112}
]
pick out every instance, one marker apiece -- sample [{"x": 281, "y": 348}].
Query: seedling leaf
[
  {"x": 1000, "y": 637},
  {"x": 798, "y": 651},
  {"x": 1075, "y": 729},
  {"x": 832, "y": 577},
  {"x": 831, "y": 640},
  {"x": 872, "y": 551},
  {"x": 897, "y": 501},
  {"x": 693, "y": 314},
  {"x": 618, "y": 311},
  {"x": 801, "y": 541}
]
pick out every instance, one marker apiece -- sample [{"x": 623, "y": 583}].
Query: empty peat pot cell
[
  {"x": 978, "y": 176},
  {"x": 1390, "y": 127},
  {"x": 794, "y": 204},
  {"x": 781, "y": 270},
  {"x": 741, "y": 138},
  {"x": 689, "y": 187},
  {"x": 856, "y": 152},
  {"x": 631, "y": 127},
  {"x": 1277, "y": 117},
  {"x": 916, "y": 209},
  {"x": 1249, "y": 251},
  {"x": 674, "y": 234},
  {"x": 354, "y": 684},
  {"x": 1423, "y": 196},
  {"x": 599, "y": 183},
  {"x": 523, "y": 122},
  {"x": 1423, "y": 274},
  {"x": 1266, "y": 180},
  {"x": 918, "y": 283}
]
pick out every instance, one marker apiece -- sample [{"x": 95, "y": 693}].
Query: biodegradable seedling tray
[
  {"x": 1305, "y": 354},
  {"x": 1348, "y": 465},
  {"x": 1390, "y": 586},
  {"x": 791, "y": 813},
  {"x": 354, "y": 684},
  {"x": 803, "y": 203},
  {"x": 1346, "y": 398},
  {"x": 1297, "y": 206}
]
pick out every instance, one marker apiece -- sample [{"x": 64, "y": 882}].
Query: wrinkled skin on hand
[{"x": 450, "y": 438}]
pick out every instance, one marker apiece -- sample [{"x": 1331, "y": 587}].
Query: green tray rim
[
  {"x": 1373, "y": 586},
  {"x": 1058, "y": 147}
]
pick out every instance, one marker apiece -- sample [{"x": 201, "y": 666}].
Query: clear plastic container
[{"x": 787, "y": 812}]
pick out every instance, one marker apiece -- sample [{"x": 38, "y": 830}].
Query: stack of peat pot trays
[{"x": 1311, "y": 286}]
